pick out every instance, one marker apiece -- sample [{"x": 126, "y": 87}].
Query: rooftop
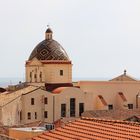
[
  {"x": 7, "y": 97},
  {"x": 117, "y": 114},
  {"x": 31, "y": 129},
  {"x": 93, "y": 128}
]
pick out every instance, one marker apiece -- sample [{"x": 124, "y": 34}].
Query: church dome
[{"x": 49, "y": 49}]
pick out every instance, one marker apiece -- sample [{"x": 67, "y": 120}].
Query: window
[
  {"x": 45, "y": 100},
  {"x": 32, "y": 101},
  {"x": 110, "y": 107},
  {"x": 29, "y": 115},
  {"x": 63, "y": 110},
  {"x": 81, "y": 108},
  {"x": 72, "y": 107},
  {"x": 30, "y": 76},
  {"x": 35, "y": 115},
  {"x": 45, "y": 114},
  {"x": 40, "y": 76},
  {"x": 130, "y": 106},
  {"x": 61, "y": 72},
  {"x": 20, "y": 115},
  {"x": 35, "y": 76}
]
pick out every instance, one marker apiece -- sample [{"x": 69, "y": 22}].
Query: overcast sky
[{"x": 101, "y": 37}]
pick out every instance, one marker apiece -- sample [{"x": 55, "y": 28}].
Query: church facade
[{"x": 49, "y": 93}]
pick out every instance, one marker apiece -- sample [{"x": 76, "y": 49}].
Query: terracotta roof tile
[
  {"x": 59, "y": 90},
  {"x": 93, "y": 128},
  {"x": 55, "y": 136},
  {"x": 37, "y": 138},
  {"x": 7, "y": 98}
]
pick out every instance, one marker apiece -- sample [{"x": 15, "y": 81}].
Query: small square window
[
  {"x": 45, "y": 114},
  {"x": 61, "y": 72},
  {"x": 110, "y": 107},
  {"x": 130, "y": 106}
]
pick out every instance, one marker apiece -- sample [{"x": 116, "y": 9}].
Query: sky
[{"x": 101, "y": 37}]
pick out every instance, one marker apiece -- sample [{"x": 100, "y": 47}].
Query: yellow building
[
  {"x": 49, "y": 93},
  {"x": 121, "y": 92}
]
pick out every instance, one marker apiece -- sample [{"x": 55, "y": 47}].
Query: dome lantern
[
  {"x": 124, "y": 72},
  {"x": 48, "y": 34}
]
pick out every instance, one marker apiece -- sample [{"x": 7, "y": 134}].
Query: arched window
[
  {"x": 30, "y": 76},
  {"x": 20, "y": 115},
  {"x": 35, "y": 76},
  {"x": 40, "y": 76}
]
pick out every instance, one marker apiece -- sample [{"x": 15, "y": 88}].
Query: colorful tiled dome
[{"x": 49, "y": 49}]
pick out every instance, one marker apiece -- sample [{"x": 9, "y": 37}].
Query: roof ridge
[{"x": 113, "y": 121}]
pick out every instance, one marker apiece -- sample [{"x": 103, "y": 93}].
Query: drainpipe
[
  {"x": 137, "y": 96},
  {"x": 53, "y": 108}
]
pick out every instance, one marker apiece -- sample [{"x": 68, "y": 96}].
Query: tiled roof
[
  {"x": 91, "y": 128},
  {"x": 116, "y": 114},
  {"x": 59, "y": 90},
  {"x": 6, "y": 97},
  {"x": 2, "y": 89},
  {"x": 123, "y": 77}
]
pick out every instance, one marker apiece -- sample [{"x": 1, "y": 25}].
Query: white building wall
[{"x": 110, "y": 89}]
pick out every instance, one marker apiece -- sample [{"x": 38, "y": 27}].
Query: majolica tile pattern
[{"x": 49, "y": 50}]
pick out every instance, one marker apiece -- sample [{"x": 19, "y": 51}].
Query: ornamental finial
[{"x": 124, "y": 72}]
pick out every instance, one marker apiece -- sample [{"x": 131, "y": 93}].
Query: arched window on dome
[
  {"x": 49, "y": 36},
  {"x": 35, "y": 77},
  {"x": 30, "y": 76},
  {"x": 40, "y": 76}
]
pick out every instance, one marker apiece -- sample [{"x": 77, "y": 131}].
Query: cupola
[{"x": 48, "y": 34}]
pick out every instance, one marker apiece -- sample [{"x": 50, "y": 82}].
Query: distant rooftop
[
  {"x": 31, "y": 129},
  {"x": 7, "y": 96}
]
